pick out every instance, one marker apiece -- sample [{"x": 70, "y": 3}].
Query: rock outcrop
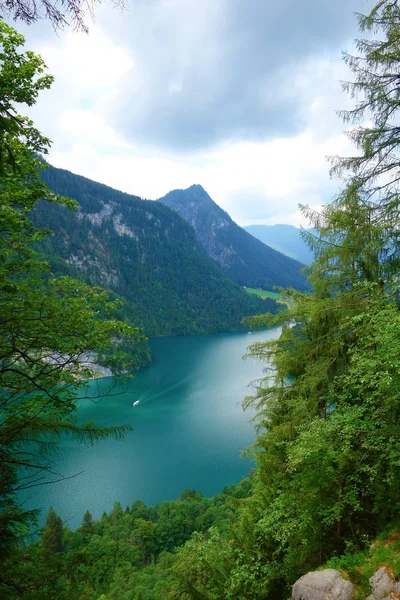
[
  {"x": 330, "y": 585},
  {"x": 382, "y": 585},
  {"x": 245, "y": 259},
  {"x": 322, "y": 585}
]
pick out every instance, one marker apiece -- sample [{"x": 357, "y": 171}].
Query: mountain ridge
[
  {"x": 145, "y": 253},
  {"x": 242, "y": 257}
]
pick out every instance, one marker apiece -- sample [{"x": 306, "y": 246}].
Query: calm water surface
[{"x": 189, "y": 430}]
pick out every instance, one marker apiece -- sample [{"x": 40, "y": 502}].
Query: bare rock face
[
  {"x": 246, "y": 260},
  {"x": 322, "y": 585},
  {"x": 382, "y": 585}
]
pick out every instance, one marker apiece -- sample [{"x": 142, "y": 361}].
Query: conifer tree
[
  {"x": 327, "y": 450},
  {"x": 373, "y": 174},
  {"x": 87, "y": 523},
  {"x": 52, "y": 538}
]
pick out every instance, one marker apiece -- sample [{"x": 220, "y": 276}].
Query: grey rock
[
  {"x": 241, "y": 256},
  {"x": 322, "y": 585},
  {"x": 381, "y": 584}
]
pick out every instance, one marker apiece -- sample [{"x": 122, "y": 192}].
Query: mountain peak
[
  {"x": 246, "y": 260},
  {"x": 195, "y": 195},
  {"x": 196, "y": 187},
  {"x": 194, "y": 191}
]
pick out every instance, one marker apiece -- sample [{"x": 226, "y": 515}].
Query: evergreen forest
[
  {"x": 241, "y": 256},
  {"x": 326, "y": 487},
  {"x": 145, "y": 253}
]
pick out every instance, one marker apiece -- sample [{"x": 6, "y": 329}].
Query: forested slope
[
  {"x": 242, "y": 257},
  {"x": 145, "y": 253},
  {"x": 328, "y": 414},
  {"x": 181, "y": 549},
  {"x": 130, "y": 553},
  {"x": 327, "y": 480}
]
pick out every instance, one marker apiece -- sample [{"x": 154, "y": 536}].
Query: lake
[{"x": 189, "y": 430}]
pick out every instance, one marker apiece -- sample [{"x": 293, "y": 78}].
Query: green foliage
[
  {"x": 242, "y": 257},
  {"x": 328, "y": 412},
  {"x": 22, "y": 78},
  {"x": 328, "y": 453},
  {"x": 360, "y": 566},
  {"x": 52, "y": 538},
  {"x": 264, "y": 293},
  {"x": 145, "y": 253},
  {"x": 51, "y": 330},
  {"x": 87, "y": 523},
  {"x": 131, "y": 554},
  {"x": 328, "y": 449}
]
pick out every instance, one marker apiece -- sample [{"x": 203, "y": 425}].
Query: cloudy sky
[{"x": 237, "y": 95}]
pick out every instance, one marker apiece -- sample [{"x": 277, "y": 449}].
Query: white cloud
[
  {"x": 81, "y": 124},
  {"x": 255, "y": 180},
  {"x": 88, "y": 72},
  {"x": 91, "y": 67},
  {"x": 247, "y": 179}
]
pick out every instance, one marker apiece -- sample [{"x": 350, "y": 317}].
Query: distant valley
[{"x": 283, "y": 238}]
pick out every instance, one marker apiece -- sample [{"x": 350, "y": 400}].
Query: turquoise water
[{"x": 189, "y": 430}]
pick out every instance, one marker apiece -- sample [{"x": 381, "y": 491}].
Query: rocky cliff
[{"x": 246, "y": 260}]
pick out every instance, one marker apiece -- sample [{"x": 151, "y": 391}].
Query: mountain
[
  {"x": 283, "y": 238},
  {"x": 246, "y": 260},
  {"x": 146, "y": 254}
]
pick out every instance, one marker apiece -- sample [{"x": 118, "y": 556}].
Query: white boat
[{"x": 136, "y": 403}]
